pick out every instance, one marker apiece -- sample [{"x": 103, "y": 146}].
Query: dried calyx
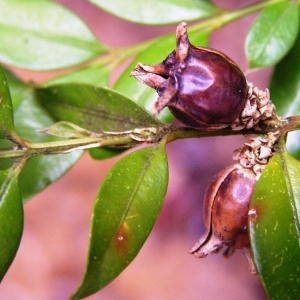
[
  {"x": 258, "y": 110},
  {"x": 204, "y": 88},
  {"x": 255, "y": 154},
  {"x": 226, "y": 202}
]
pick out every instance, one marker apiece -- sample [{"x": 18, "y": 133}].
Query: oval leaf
[
  {"x": 155, "y": 53},
  {"x": 124, "y": 213},
  {"x": 273, "y": 228},
  {"x": 272, "y": 35},
  {"x": 284, "y": 88},
  {"x": 158, "y": 11},
  {"x": 41, "y": 35},
  {"x": 94, "y": 108},
  {"x": 11, "y": 218}
]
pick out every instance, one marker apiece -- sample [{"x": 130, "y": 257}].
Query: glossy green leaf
[
  {"x": 284, "y": 88},
  {"x": 42, "y": 35},
  {"x": 272, "y": 35},
  {"x": 94, "y": 75},
  {"x": 40, "y": 171},
  {"x": 11, "y": 218},
  {"x": 94, "y": 108},
  {"x": 158, "y": 11},
  {"x": 7, "y": 129},
  {"x": 155, "y": 53},
  {"x": 124, "y": 214},
  {"x": 274, "y": 220}
]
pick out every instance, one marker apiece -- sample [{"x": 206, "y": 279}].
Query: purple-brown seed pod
[
  {"x": 202, "y": 87},
  {"x": 226, "y": 206}
]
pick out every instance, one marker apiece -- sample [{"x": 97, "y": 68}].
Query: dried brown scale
[{"x": 258, "y": 108}]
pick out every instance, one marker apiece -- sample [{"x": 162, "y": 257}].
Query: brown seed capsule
[
  {"x": 226, "y": 208},
  {"x": 202, "y": 87}
]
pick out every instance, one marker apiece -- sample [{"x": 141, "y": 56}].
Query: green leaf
[
  {"x": 94, "y": 108},
  {"x": 7, "y": 129},
  {"x": 11, "y": 218},
  {"x": 272, "y": 35},
  {"x": 42, "y": 35},
  {"x": 94, "y": 75},
  {"x": 124, "y": 213},
  {"x": 40, "y": 171},
  {"x": 158, "y": 11},
  {"x": 155, "y": 53},
  {"x": 274, "y": 223},
  {"x": 284, "y": 88}
]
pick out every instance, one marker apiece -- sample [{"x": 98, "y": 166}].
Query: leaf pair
[{"x": 51, "y": 37}]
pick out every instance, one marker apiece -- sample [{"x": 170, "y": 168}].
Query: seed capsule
[
  {"x": 202, "y": 87},
  {"x": 226, "y": 206}
]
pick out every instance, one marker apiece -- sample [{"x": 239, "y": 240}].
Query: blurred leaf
[
  {"x": 11, "y": 218},
  {"x": 39, "y": 171},
  {"x": 158, "y": 11},
  {"x": 273, "y": 227},
  {"x": 155, "y": 53},
  {"x": 284, "y": 88},
  {"x": 124, "y": 213},
  {"x": 42, "y": 35},
  {"x": 92, "y": 75},
  {"x": 94, "y": 108},
  {"x": 272, "y": 35}
]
